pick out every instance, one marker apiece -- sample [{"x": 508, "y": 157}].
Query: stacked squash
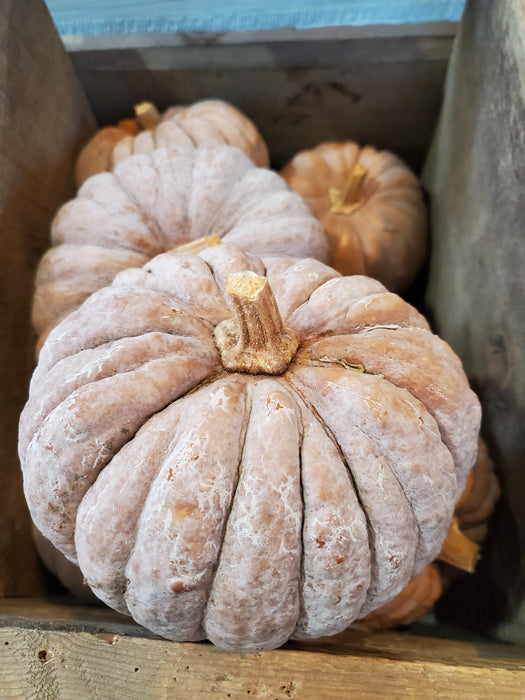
[{"x": 235, "y": 441}]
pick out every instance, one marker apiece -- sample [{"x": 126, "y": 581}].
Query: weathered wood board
[
  {"x": 300, "y": 90},
  {"x": 475, "y": 176},
  {"x": 53, "y": 651},
  {"x": 43, "y": 117}
]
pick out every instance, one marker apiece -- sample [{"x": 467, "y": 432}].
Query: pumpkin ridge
[
  {"x": 325, "y": 325},
  {"x": 388, "y": 455},
  {"x": 371, "y": 529},
  {"x": 181, "y": 126},
  {"x": 122, "y": 588},
  {"x": 85, "y": 206},
  {"x": 205, "y": 302},
  {"x": 150, "y": 221},
  {"x": 305, "y": 409},
  {"x": 217, "y": 170},
  {"x": 402, "y": 471},
  {"x": 242, "y": 443},
  {"x": 374, "y": 527},
  {"x": 329, "y": 433},
  {"x": 427, "y": 341},
  {"x": 180, "y": 576},
  {"x": 108, "y": 357},
  {"x": 185, "y": 232},
  {"x": 430, "y": 384},
  {"x": 254, "y": 600},
  {"x": 177, "y": 419},
  {"x": 292, "y": 270},
  {"x": 222, "y": 134},
  {"x": 56, "y": 349},
  {"x": 235, "y": 213},
  {"x": 411, "y": 500},
  {"x": 81, "y": 443}
]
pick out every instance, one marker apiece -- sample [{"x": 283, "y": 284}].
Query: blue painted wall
[{"x": 134, "y": 16}]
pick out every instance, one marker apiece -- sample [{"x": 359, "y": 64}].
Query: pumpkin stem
[
  {"x": 458, "y": 550},
  {"x": 349, "y": 198},
  {"x": 254, "y": 340},
  {"x": 147, "y": 115},
  {"x": 194, "y": 247}
]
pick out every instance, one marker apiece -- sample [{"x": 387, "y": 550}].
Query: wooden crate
[{"x": 320, "y": 86}]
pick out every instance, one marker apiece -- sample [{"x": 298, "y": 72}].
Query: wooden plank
[
  {"x": 95, "y": 653},
  {"x": 475, "y": 176},
  {"x": 381, "y": 90},
  {"x": 135, "y": 40},
  {"x": 43, "y": 117}
]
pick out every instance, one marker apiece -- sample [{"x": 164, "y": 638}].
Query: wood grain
[
  {"x": 43, "y": 115},
  {"x": 381, "y": 90},
  {"x": 475, "y": 176},
  {"x": 95, "y": 653}
]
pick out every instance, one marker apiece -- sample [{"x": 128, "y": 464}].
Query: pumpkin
[
  {"x": 413, "y": 602},
  {"x": 371, "y": 207},
  {"x": 460, "y": 551},
  {"x": 246, "y": 449},
  {"x": 67, "y": 573},
  {"x": 153, "y": 203},
  {"x": 204, "y": 123},
  {"x": 416, "y": 599},
  {"x": 479, "y": 497}
]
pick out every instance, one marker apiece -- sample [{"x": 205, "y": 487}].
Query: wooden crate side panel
[
  {"x": 476, "y": 179},
  {"x": 381, "y": 90},
  {"x": 43, "y": 117}
]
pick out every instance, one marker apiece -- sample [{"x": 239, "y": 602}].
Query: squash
[
  {"x": 246, "y": 449},
  {"x": 204, "y": 123},
  {"x": 371, "y": 207},
  {"x": 413, "y": 602},
  {"x": 153, "y": 203},
  {"x": 96, "y": 156},
  {"x": 459, "y": 554},
  {"x": 479, "y": 497}
]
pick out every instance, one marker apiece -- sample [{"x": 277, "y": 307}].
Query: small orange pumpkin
[
  {"x": 371, "y": 206},
  {"x": 204, "y": 123}
]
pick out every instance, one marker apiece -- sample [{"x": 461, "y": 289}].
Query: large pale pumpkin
[
  {"x": 153, "y": 203},
  {"x": 204, "y": 123},
  {"x": 371, "y": 207},
  {"x": 246, "y": 449}
]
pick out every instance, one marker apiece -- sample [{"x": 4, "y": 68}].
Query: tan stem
[
  {"x": 458, "y": 550},
  {"x": 194, "y": 247},
  {"x": 348, "y": 198},
  {"x": 254, "y": 340},
  {"x": 147, "y": 115}
]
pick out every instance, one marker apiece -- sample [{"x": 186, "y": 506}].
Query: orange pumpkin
[
  {"x": 204, "y": 123},
  {"x": 371, "y": 207}
]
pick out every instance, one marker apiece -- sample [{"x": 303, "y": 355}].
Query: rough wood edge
[
  {"x": 102, "y": 42},
  {"x": 69, "y": 661}
]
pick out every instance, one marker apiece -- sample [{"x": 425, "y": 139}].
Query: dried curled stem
[
  {"x": 254, "y": 340},
  {"x": 459, "y": 550},
  {"x": 349, "y": 198},
  {"x": 147, "y": 115}
]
